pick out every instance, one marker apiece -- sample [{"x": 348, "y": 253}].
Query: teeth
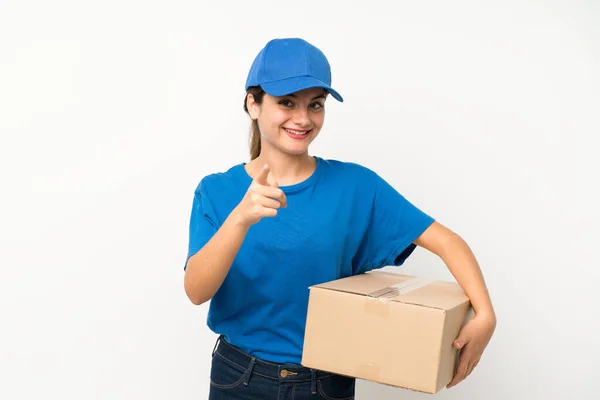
[{"x": 296, "y": 132}]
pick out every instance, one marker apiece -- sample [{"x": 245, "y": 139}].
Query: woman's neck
[{"x": 286, "y": 169}]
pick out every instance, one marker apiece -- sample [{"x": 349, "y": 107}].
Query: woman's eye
[
  {"x": 286, "y": 103},
  {"x": 316, "y": 106}
]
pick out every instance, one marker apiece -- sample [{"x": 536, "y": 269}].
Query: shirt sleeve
[
  {"x": 202, "y": 227},
  {"x": 394, "y": 224}
]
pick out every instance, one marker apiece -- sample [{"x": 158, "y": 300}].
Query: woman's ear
[{"x": 253, "y": 107}]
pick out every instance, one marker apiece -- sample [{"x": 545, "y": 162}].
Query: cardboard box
[{"x": 387, "y": 328}]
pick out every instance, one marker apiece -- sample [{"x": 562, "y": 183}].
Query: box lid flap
[{"x": 401, "y": 288}]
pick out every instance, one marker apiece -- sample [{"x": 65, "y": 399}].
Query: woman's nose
[{"x": 301, "y": 118}]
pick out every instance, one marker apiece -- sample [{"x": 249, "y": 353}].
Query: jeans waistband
[{"x": 253, "y": 365}]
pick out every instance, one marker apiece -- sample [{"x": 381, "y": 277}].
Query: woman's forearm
[{"x": 461, "y": 262}]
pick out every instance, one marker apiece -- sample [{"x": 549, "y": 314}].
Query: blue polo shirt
[{"x": 343, "y": 220}]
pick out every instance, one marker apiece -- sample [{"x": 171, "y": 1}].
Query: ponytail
[
  {"x": 254, "y": 140},
  {"x": 257, "y": 93}
]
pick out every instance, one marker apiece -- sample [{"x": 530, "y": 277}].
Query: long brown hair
[{"x": 257, "y": 92}]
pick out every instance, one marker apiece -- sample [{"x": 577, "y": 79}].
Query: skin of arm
[{"x": 460, "y": 261}]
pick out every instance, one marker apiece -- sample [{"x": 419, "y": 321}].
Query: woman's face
[{"x": 290, "y": 123}]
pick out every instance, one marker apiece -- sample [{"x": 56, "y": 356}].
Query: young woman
[{"x": 262, "y": 232}]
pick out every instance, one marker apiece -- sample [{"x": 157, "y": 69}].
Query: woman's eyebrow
[{"x": 314, "y": 98}]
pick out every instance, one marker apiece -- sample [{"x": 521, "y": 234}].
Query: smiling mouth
[{"x": 297, "y": 132}]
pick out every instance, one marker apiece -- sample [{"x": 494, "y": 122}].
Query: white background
[{"x": 485, "y": 114}]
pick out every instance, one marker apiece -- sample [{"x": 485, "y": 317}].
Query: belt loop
[
  {"x": 216, "y": 344},
  {"x": 249, "y": 371},
  {"x": 313, "y": 381}
]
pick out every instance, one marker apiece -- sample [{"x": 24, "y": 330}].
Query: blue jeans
[{"x": 236, "y": 375}]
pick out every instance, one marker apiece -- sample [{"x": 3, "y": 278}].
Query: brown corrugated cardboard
[{"x": 385, "y": 327}]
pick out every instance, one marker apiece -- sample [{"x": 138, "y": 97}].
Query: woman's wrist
[{"x": 487, "y": 314}]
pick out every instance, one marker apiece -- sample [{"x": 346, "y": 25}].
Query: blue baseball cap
[{"x": 286, "y": 66}]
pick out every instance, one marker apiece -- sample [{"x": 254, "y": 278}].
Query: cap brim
[{"x": 296, "y": 84}]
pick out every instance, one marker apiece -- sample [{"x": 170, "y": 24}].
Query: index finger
[
  {"x": 261, "y": 178},
  {"x": 271, "y": 180}
]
